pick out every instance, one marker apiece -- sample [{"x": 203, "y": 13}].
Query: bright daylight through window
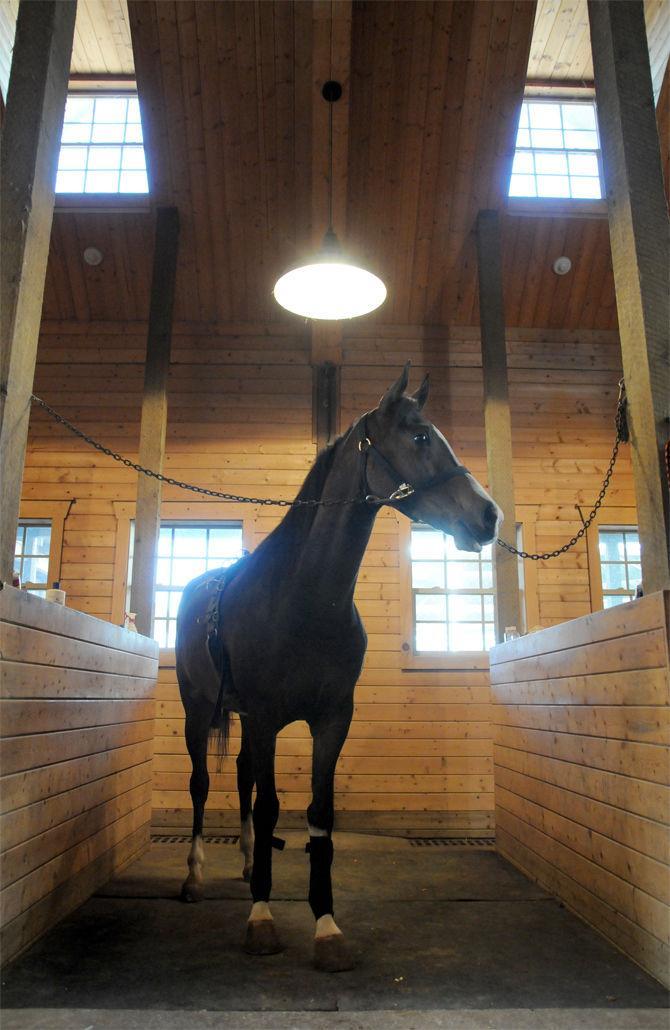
[
  {"x": 184, "y": 552},
  {"x": 101, "y": 147},
  {"x": 620, "y": 567},
  {"x": 452, "y": 594},
  {"x": 557, "y": 151},
  {"x": 31, "y": 555}
]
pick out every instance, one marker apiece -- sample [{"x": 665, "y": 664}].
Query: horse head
[{"x": 412, "y": 467}]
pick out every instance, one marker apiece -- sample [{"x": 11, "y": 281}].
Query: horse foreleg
[
  {"x": 245, "y": 786},
  {"x": 330, "y": 950},
  {"x": 261, "y": 936},
  {"x": 197, "y": 730}
]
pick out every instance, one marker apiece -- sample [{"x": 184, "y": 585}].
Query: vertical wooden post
[
  {"x": 154, "y": 417},
  {"x": 640, "y": 241},
  {"x": 33, "y": 123},
  {"x": 325, "y": 404},
  {"x": 497, "y": 421}
]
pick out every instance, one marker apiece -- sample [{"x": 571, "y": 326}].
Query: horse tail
[{"x": 219, "y": 730}]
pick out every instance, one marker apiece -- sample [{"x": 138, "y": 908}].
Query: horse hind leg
[
  {"x": 197, "y": 731},
  {"x": 245, "y": 786}
]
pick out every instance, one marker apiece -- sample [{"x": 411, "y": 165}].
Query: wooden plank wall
[
  {"x": 77, "y": 714},
  {"x": 582, "y": 753},
  {"x": 419, "y": 757}
]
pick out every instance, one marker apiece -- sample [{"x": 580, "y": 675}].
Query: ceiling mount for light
[{"x": 329, "y": 286}]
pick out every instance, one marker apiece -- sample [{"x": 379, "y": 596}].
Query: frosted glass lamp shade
[{"x": 329, "y": 287}]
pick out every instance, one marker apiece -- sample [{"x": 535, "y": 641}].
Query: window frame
[
  {"x": 570, "y": 206},
  {"x": 54, "y": 512},
  {"x": 114, "y": 86},
  {"x": 624, "y": 517},
  {"x": 173, "y": 511}
]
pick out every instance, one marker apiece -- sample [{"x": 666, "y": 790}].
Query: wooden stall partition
[
  {"x": 77, "y": 707},
  {"x": 581, "y": 769}
]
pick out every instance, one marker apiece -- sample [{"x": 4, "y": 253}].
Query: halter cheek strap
[{"x": 405, "y": 489}]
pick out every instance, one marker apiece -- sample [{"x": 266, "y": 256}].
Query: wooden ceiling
[
  {"x": 561, "y": 46},
  {"x": 236, "y": 136}
]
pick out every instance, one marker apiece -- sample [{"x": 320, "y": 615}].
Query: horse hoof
[
  {"x": 192, "y": 892},
  {"x": 262, "y": 938},
  {"x": 332, "y": 955}
]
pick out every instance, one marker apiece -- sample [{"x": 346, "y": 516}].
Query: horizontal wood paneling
[
  {"x": 75, "y": 783},
  {"x": 581, "y": 766}
]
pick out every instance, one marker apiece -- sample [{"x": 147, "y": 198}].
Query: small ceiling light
[
  {"x": 562, "y": 265},
  {"x": 92, "y": 256},
  {"x": 330, "y": 286}
]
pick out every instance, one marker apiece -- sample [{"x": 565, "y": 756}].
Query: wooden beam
[
  {"x": 32, "y": 128},
  {"x": 497, "y": 421},
  {"x": 640, "y": 241},
  {"x": 326, "y": 402},
  {"x": 154, "y": 417}
]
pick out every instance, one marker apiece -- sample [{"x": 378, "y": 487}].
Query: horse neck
[{"x": 329, "y": 556}]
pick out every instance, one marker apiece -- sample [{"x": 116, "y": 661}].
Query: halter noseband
[{"x": 404, "y": 490}]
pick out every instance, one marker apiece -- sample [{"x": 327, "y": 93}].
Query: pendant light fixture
[{"x": 329, "y": 286}]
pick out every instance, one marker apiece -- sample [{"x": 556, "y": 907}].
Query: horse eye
[{"x": 421, "y": 438}]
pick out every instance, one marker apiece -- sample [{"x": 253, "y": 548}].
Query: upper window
[
  {"x": 31, "y": 555},
  {"x": 185, "y": 551},
  {"x": 557, "y": 151},
  {"x": 452, "y": 594},
  {"x": 620, "y": 567},
  {"x": 101, "y": 147}
]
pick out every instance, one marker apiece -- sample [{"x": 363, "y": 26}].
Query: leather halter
[{"x": 405, "y": 489}]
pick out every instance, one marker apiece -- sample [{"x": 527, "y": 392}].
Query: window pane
[
  {"x": 175, "y": 601},
  {"x": 165, "y": 541},
  {"x": 611, "y": 600},
  {"x": 72, "y": 158},
  {"x": 549, "y": 139},
  {"x": 104, "y": 157},
  {"x": 163, "y": 572},
  {"x": 160, "y": 632},
  {"x": 102, "y": 182},
  {"x": 431, "y": 636},
  {"x": 523, "y": 138},
  {"x": 133, "y": 158},
  {"x": 463, "y": 575},
  {"x": 69, "y": 182},
  {"x": 581, "y": 140},
  {"x": 545, "y": 116},
  {"x": 489, "y": 635},
  {"x": 523, "y": 116},
  {"x": 611, "y": 546},
  {"x": 551, "y": 164},
  {"x": 523, "y": 163},
  {"x": 614, "y": 577},
  {"x": 583, "y": 164},
  {"x": 107, "y": 133},
  {"x": 225, "y": 543},
  {"x": 634, "y": 575},
  {"x": 466, "y": 636},
  {"x": 79, "y": 109},
  {"x": 465, "y": 607},
  {"x": 133, "y": 182},
  {"x": 426, "y": 544},
  {"x": 586, "y": 189},
  {"x": 78, "y": 132},
  {"x": 632, "y": 542},
  {"x": 553, "y": 186},
  {"x": 110, "y": 109},
  {"x": 18, "y": 546},
  {"x": 186, "y": 569},
  {"x": 133, "y": 133},
  {"x": 488, "y": 608},
  {"x": 161, "y": 604},
  {"x": 431, "y": 608},
  {"x": 487, "y": 575},
  {"x": 172, "y": 634},
  {"x": 579, "y": 116},
  {"x": 37, "y": 540},
  {"x": 428, "y": 574},
  {"x": 35, "y": 570},
  {"x": 133, "y": 109},
  {"x": 190, "y": 542},
  {"x": 522, "y": 186}
]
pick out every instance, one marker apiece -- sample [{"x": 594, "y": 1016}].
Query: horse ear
[
  {"x": 395, "y": 392},
  {"x": 421, "y": 395}
]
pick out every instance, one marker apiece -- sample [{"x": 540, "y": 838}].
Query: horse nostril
[{"x": 491, "y": 516}]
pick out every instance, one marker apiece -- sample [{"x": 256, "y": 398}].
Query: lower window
[
  {"x": 620, "y": 569},
  {"x": 31, "y": 554},
  {"x": 185, "y": 550},
  {"x": 452, "y": 595}
]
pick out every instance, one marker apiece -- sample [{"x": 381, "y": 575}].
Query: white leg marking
[
  {"x": 326, "y": 927},
  {"x": 247, "y": 844},
  {"x": 260, "y": 910},
  {"x": 314, "y": 831},
  {"x": 196, "y": 861}
]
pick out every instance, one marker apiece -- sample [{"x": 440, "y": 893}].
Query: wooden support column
[
  {"x": 154, "y": 417},
  {"x": 31, "y": 134},
  {"x": 497, "y": 421},
  {"x": 326, "y": 403},
  {"x": 640, "y": 241}
]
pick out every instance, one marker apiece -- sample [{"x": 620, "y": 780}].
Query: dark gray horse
[{"x": 278, "y": 638}]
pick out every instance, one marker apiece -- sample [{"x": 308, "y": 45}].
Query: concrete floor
[{"x": 442, "y": 937}]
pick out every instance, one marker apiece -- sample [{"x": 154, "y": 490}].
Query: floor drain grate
[
  {"x": 164, "y": 838},
  {"x": 451, "y": 842}
]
